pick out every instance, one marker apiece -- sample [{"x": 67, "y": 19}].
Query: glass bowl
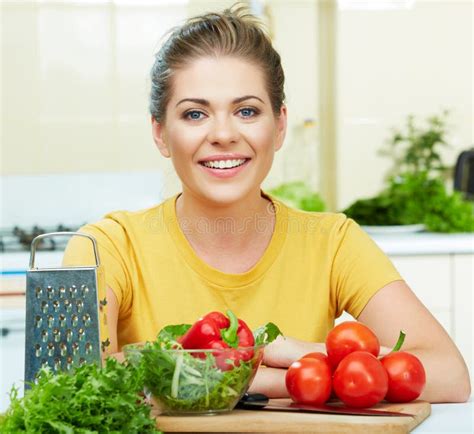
[{"x": 194, "y": 382}]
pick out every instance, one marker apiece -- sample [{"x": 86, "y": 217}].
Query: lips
[
  {"x": 246, "y": 160},
  {"x": 224, "y": 157},
  {"x": 225, "y": 173}
]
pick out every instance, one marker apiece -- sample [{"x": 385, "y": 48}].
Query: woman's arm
[
  {"x": 393, "y": 308},
  {"x": 112, "y": 319},
  {"x": 280, "y": 354}
]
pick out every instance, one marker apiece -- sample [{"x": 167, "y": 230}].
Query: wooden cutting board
[{"x": 261, "y": 421}]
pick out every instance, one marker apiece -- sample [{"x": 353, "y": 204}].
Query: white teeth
[{"x": 223, "y": 164}]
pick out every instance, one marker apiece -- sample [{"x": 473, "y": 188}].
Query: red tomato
[
  {"x": 406, "y": 376},
  {"x": 348, "y": 337},
  {"x": 360, "y": 380},
  {"x": 308, "y": 380},
  {"x": 322, "y": 356},
  {"x": 316, "y": 355}
]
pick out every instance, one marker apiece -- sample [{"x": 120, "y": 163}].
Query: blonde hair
[{"x": 233, "y": 32}]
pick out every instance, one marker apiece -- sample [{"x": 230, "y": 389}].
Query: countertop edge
[{"x": 425, "y": 243}]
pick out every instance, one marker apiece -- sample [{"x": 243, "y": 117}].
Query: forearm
[
  {"x": 270, "y": 381},
  {"x": 282, "y": 352},
  {"x": 447, "y": 377},
  {"x": 119, "y": 356},
  {"x": 278, "y": 356}
]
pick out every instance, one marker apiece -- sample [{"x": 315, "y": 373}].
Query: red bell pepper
[
  {"x": 246, "y": 339},
  {"x": 201, "y": 335},
  {"x": 216, "y": 331},
  {"x": 245, "y": 335},
  {"x": 220, "y": 319}
]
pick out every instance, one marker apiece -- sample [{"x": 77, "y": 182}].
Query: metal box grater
[{"x": 65, "y": 318}]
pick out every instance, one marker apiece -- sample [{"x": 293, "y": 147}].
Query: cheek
[
  {"x": 185, "y": 140},
  {"x": 261, "y": 136}
]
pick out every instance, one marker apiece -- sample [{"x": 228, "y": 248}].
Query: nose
[{"x": 223, "y": 131}]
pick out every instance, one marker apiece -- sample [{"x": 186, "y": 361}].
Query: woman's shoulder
[
  {"x": 322, "y": 216},
  {"x": 335, "y": 221},
  {"x": 118, "y": 223},
  {"x": 326, "y": 227}
]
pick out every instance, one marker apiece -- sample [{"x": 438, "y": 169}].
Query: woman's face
[{"x": 220, "y": 110}]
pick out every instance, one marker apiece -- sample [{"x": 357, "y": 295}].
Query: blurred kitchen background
[{"x": 76, "y": 140}]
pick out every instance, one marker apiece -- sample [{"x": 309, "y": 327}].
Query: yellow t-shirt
[{"x": 316, "y": 266}]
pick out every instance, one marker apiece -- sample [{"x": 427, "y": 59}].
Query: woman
[{"x": 217, "y": 111}]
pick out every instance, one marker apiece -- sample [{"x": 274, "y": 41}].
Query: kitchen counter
[
  {"x": 425, "y": 243},
  {"x": 449, "y": 418}
]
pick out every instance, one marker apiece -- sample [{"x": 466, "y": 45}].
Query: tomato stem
[{"x": 401, "y": 339}]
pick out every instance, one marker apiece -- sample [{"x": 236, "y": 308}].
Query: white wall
[
  {"x": 295, "y": 37},
  {"x": 75, "y": 85},
  {"x": 391, "y": 63}
]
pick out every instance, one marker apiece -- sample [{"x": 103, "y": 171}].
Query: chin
[{"x": 226, "y": 194}]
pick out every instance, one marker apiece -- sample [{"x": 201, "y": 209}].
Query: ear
[
  {"x": 157, "y": 129},
  {"x": 281, "y": 128}
]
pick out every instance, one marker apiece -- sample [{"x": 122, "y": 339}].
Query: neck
[{"x": 224, "y": 226}]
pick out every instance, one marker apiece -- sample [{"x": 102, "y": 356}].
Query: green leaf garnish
[
  {"x": 174, "y": 331},
  {"x": 90, "y": 400},
  {"x": 168, "y": 336},
  {"x": 266, "y": 334}
]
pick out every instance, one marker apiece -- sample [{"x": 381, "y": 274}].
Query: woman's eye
[
  {"x": 193, "y": 115},
  {"x": 248, "y": 112},
  {"x": 196, "y": 115}
]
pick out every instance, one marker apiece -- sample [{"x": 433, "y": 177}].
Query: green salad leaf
[
  {"x": 90, "y": 400},
  {"x": 266, "y": 334},
  {"x": 168, "y": 336}
]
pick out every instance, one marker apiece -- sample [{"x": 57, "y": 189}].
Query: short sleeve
[
  {"x": 360, "y": 268},
  {"x": 111, "y": 244}
]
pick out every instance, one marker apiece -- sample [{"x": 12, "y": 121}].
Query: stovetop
[{"x": 18, "y": 239}]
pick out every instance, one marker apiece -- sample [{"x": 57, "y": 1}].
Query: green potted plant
[{"x": 416, "y": 192}]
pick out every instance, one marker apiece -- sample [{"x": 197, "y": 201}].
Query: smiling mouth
[{"x": 209, "y": 165}]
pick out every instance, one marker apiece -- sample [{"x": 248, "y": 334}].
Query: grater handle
[{"x": 68, "y": 234}]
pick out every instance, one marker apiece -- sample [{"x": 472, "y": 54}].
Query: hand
[
  {"x": 283, "y": 351},
  {"x": 119, "y": 356}
]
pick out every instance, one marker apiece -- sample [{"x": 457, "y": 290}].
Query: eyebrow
[{"x": 206, "y": 103}]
